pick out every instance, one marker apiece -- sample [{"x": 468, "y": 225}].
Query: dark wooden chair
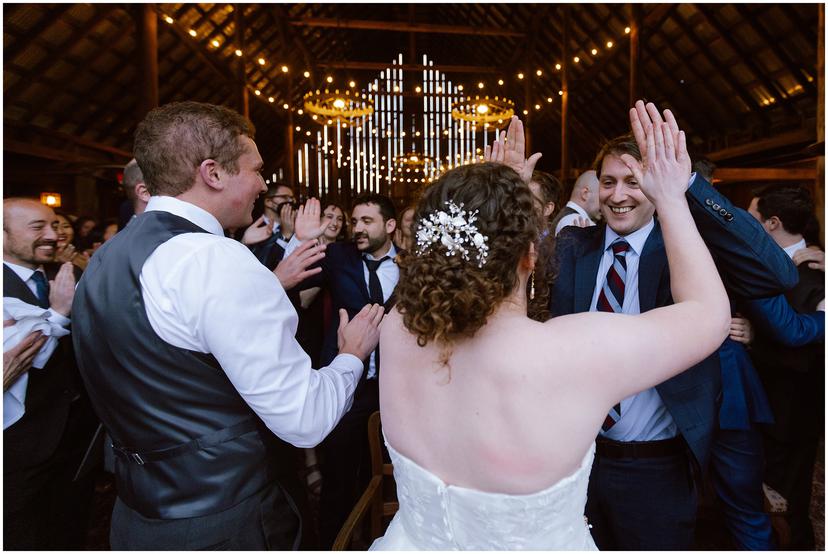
[{"x": 376, "y": 503}]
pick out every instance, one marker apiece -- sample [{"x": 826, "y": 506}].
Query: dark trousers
[
  {"x": 790, "y": 470},
  {"x": 737, "y": 462},
  {"x": 642, "y": 503},
  {"x": 345, "y": 463},
  {"x": 265, "y": 521}
]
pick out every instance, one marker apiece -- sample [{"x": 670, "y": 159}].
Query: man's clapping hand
[
  {"x": 360, "y": 336},
  {"x": 287, "y": 218},
  {"x": 257, "y": 232},
  {"x": 62, "y": 290},
  {"x": 294, "y": 269}
]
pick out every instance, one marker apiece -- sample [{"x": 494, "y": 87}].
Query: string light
[
  {"x": 500, "y": 82},
  {"x": 352, "y": 84},
  {"x": 238, "y": 52},
  {"x": 417, "y": 89},
  {"x": 576, "y": 59},
  {"x": 626, "y": 30},
  {"x": 285, "y": 106},
  {"x": 329, "y": 79},
  {"x": 261, "y": 61},
  {"x": 480, "y": 85},
  {"x": 539, "y": 72},
  {"x": 215, "y": 43},
  {"x": 560, "y": 93},
  {"x": 609, "y": 44},
  {"x": 537, "y": 106},
  {"x": 549, "y": 99},
  {"x": 558, "y": 66},
  {"x": 459, "y": 87},
  {"x": 525, "y": 112},
  {"x": 594, "y": 51},
  {"x": 300, "y": 111},
  {"x": 193, "y": 33},
  {"x": 257, "y": 92},
  {"x": 169, "y": 19},
  {"x": 306, "y": 74},
  {"x": 271, "y": 99},
  {"x": 520, "y": 76},
  {"x": 284, "y": 69}
]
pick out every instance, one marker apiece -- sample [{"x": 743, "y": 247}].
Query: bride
[{"x": 490, "y": 417}]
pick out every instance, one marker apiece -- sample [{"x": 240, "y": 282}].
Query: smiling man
[
  {"x": 355, "y": 273},
  {"x": 186, "y": 344},
  {"x": 641, "y": 491}
]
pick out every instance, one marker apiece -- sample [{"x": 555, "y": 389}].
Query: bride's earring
[{"x": 532, "y": 286}]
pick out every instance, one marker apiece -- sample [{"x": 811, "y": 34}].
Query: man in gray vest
[{"x": 186, "y": 344}]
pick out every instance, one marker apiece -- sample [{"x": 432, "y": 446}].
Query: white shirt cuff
[{"x": 58, "y": 319}]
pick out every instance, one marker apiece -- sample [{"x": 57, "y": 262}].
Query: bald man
[
  {"x": 583, "y": 203},
  {"x": 46, "y": 498}
]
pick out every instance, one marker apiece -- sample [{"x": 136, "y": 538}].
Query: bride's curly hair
[{"x": 443, "y": 297}]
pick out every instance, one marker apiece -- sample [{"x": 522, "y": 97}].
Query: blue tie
[{"x": 42, "y": 288}]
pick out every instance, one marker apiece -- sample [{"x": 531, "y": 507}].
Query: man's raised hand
[
  {"x": 295, "y": 268},
  {"x": 308, "y": 224},
  {"x": 259, "y": 231}
]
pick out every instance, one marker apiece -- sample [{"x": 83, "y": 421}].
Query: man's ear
[
  {"x": 210, "y": 173},
  {"x": 390, "y": 226},
  {"x": 584, "y": 195},
  {"x": 773, "y": 223},
  {"x": 141, "y": 192}
]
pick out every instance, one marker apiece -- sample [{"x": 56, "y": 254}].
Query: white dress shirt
[
  {"x": 208, "y": 293},
  {"x": 389, "y": 275},
  {"x": 644, "y": 417},
  {"x": 25, "y": 275},
  {"x": 569, "y": 219},
  {"x": 794, "y": 248}
]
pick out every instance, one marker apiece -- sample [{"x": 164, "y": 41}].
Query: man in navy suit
[
  {"x": 355, "y": 273},
  {"x": 641, "y": 492}
]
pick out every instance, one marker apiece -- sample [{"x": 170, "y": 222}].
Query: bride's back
[
  {"x": 505, "y": 414},
  {"x": 472, "y": 389}
]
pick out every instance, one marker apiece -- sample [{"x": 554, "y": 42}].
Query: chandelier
[
  {"x": 483, "y": 110},
  {"x": 337, "y": 106},
  {"x": 412, "y": 161}
]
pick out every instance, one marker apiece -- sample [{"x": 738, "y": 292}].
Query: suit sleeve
[
  {"x": 776, "y": 319},
  {"x": 750, "y": 263}
]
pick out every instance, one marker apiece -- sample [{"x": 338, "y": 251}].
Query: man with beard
[
  {"x": 46, "y": 499},
  {"x": 357, "y": 273}
]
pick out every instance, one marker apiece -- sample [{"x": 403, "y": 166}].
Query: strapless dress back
[{"x": 436, "y": 516}]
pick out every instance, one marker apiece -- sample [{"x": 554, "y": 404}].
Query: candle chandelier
[{"x": 365, "y": 145}]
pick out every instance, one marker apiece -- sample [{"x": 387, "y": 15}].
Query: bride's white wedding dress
[{"x": 436, "y": 516}]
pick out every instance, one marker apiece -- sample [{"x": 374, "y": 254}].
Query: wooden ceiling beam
[
  {"x": 379, "y": 66},
  {"x": 403, "y": 27},
  {"x": 725, "y": 34},
  {"x": 757, "y": 174},
  {"x": 278, "y": 13},
  {"x": 736, "y": 87},
  {"x": 52, "y": 14},
  {"x": 51, "y": 58},
  {"x": 760, "y": 29},
  {"x": 49, "y": 153},
  {"x": 652, "y": 20},
  {"x": 12, "y": 127},
  {"x": 791, "y": 138}
]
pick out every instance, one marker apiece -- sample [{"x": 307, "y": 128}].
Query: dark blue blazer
[
  {"x": 751, "y": 266},
  {"x": 269, "y": 251},
  {"x": 343, "y": 275}
]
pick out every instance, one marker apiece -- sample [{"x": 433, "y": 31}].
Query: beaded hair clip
[{"x": 455, "y": 230}]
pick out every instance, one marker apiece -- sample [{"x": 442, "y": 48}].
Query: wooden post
[
  {"x": 565, "y": 103},
  {"x": 819, "y": 187},
  {"x": 241, "y": 67},
  {"x": 635, "y": 53},
  {"x": 291, "y": 155},
  {"x": 147, "y": 21}
]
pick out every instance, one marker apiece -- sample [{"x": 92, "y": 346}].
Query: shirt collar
[
  {"x": 190, "y": 212},
  {"x": 392, "y": 253},
  {"x": 582, "y": 212},
  {"x": 792, "y": 249},
  {"x": 636, "y": 239},
  {"x": 24, "y": 273}
]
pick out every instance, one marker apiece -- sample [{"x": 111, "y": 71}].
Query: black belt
[
  {"x": 635, "y": 449},
  {"x": 211, "y": 439}
]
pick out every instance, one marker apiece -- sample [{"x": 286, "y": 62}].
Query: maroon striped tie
[{"x": 611, "y": 299}]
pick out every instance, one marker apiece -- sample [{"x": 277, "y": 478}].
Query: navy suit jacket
[
  {"x": 751, "y": 266},
  {"x": 343, "y": 275}
]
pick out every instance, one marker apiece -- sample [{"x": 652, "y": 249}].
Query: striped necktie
[{"x": 611, "y": 299}]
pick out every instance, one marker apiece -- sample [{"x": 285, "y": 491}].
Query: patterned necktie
[
  {"x": 374, "y": 286},
  {"x": 611, "y": 299},
  {"x": 42, "y": 288}
]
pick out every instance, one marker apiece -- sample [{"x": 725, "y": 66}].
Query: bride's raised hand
[
  {"x": 510, "y": 149},
  {"x": 664, "y": 170}
]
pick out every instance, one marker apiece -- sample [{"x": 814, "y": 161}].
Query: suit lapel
[
  {"x": 586, "y": 270},
  {"x": 357, "y": 275},
  {"x": 650, "y": 267}
]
